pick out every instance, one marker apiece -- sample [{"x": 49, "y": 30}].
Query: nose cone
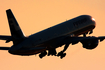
[{"x": 93, "y": 21}]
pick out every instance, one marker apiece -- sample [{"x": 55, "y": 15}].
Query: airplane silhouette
[{"x": 51, "y": 38}]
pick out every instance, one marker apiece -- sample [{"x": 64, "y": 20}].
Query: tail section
[{"x": 16, "y": 32}]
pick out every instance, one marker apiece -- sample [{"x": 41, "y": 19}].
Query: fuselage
[{"x": 40, "y": 41}]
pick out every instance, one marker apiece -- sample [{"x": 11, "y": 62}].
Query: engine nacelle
[{"x": 90, "y": 44}]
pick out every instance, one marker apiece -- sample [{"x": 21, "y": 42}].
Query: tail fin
[{"x": 16, "y": 33}]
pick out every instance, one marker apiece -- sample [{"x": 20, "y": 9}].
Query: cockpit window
[{"x": 77, "y": 23}]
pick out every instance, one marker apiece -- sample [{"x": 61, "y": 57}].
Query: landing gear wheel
[
  {"x": 43, "y": 54},
  {"x": 40, "y": 55},
  {"x": 52, "y": 52},
  {"x": 60, "y": 53},
  {"x": 63, "y": 55}
]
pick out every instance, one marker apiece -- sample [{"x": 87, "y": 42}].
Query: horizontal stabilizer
[
  {"x": 4, "y": 37},
  {"x": 4, "y": 48}
]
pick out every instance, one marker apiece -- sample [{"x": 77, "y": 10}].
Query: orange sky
[{"x": 36, "y": 15}]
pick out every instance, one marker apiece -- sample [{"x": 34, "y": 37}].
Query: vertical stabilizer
[{"x": 16, "y": 33}]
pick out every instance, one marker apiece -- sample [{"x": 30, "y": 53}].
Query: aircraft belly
[{"x": 30, "y": 51}]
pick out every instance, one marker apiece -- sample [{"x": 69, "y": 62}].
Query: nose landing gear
[{"x": 90, "y": 32}]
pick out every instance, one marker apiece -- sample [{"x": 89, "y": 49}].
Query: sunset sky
[{"x": 36, "y": 15}]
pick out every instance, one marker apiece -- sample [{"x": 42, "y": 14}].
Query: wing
[
  {"x": 7, "y": 38},
  {"x": 4, "y": 48},
  {"x": 75, "y": 40},
  {"x": 101, "y": 38},
  {"x": 4, "y": 37}
]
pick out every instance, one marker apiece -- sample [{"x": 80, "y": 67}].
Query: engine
[{"x": 91, "y": 44}]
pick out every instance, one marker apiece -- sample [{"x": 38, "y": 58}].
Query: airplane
[{"x": 46, "y": 41}]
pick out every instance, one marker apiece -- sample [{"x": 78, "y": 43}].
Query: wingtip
[{"x": 8, "y": 10}]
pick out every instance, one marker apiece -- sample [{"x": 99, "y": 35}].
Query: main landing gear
[
  {"x": 50, "y": 52},
  {"x": 53, "y": 52},
  {"x": 44, "y": 53},
  {"x": 61, "y": 54}
]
